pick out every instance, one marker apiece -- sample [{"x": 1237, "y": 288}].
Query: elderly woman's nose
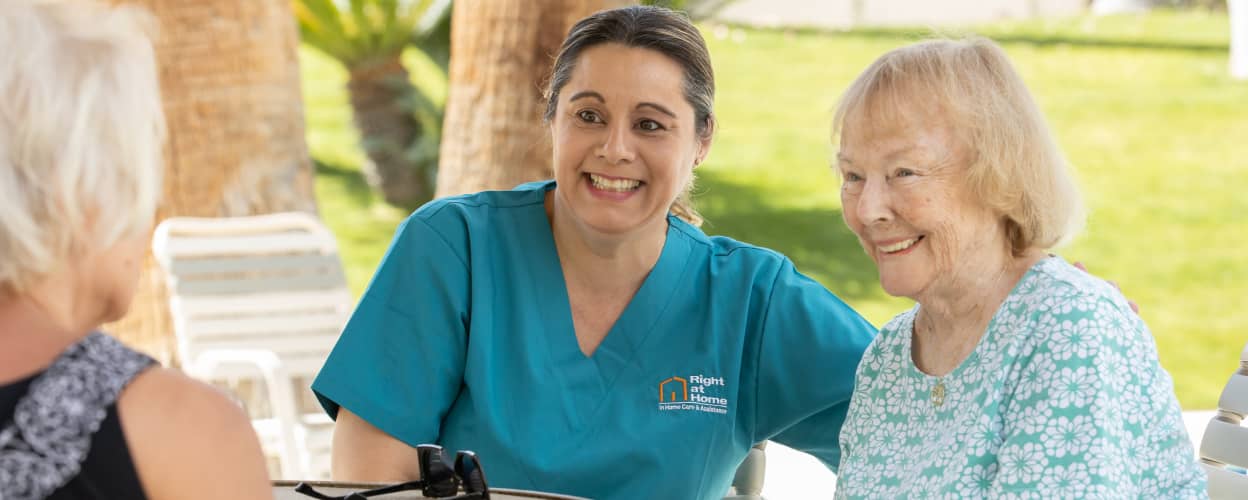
[
  {"x": 875, "y": 202},
  {"x": 617, "y": 144}
]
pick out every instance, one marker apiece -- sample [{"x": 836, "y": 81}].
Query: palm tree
[
  {"x": 236, "y": 133},
  {"x": 501, "y": 56},
  {"x": 399, "y": 125}
]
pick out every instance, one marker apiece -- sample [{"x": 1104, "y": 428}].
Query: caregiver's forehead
[{"x": 615, "y": 63}]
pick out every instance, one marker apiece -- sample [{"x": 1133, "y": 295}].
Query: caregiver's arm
[
  {"x": 399, "y": 363},
  {"x": 363, "y": 452},
  {"x": 810, "y": 348}
]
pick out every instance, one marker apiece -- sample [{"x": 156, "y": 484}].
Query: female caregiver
[{"x": 575, "y": 333}]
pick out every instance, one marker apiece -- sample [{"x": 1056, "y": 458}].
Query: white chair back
[{"x": 263, "y": 298}]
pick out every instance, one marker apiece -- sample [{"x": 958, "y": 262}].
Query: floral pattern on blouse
[{"x": 1063, "y": 397}]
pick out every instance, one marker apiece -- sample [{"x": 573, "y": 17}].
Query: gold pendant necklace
[{"x": 938, "y": 392}]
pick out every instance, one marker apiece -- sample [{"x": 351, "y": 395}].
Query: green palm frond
[
  {"x": 358, "y": 31},
  {"x": 399, "y": 22},
  {"x": 359, "y": 20},
  {"x": 321, "y": 27},
  {"x": 433, "y": 33},
  {"x": 390, "y": 21}
]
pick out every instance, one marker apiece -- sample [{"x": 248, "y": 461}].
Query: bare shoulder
[
  {"x": 188, "y": 440},
  {"x": 163, "y": 403}
]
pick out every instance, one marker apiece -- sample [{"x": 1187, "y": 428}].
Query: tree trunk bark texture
[
  {"x": 387, "y": 131},
  {"x": 231, "y": 89},
  {"x": 493, "y": 136}
]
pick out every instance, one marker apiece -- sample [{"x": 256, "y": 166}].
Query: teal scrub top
[{"x": 464, "y": 338}]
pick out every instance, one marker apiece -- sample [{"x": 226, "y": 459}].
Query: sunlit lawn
[{"x": 1142, "y": 105}]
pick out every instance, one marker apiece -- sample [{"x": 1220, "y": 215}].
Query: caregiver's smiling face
[{"x": 625, "y": 140}]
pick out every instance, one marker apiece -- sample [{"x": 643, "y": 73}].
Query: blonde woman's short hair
[
  {"x": 1016, "y": 167},
  {"x": 81, "y": 130}
]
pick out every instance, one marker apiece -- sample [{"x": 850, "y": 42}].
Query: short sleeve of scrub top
[
  {"x": 804, "y": 387},
  {"x": 387, "y": 365}
]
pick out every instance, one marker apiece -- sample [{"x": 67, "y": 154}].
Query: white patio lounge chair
[{"x": 261, "y": 299}]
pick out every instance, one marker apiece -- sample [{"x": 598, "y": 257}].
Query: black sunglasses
[{"x": 438, "y": 478}]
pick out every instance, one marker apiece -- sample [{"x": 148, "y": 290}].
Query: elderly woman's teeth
[
  {"x": 619, "y": 185},
  {"x": 899, "y": 246}
]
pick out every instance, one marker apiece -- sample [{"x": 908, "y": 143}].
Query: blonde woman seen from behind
[{"x": 82, "y": 416}]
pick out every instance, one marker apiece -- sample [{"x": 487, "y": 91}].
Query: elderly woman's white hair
[
  {"x": 1016, "y": 167},
  {"x": 81, "y": 130}
]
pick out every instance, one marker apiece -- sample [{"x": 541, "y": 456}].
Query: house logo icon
[{"x": 674, "y": 389}]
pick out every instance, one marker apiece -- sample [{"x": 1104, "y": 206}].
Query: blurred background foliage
[
  {"x": 398, "y": 122},
  {"x": 1142, "y": 104}
]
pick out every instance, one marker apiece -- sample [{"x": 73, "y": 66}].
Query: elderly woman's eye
[
  {"x": 588, "y": 116},
  {"x": 650, "y": 126},
  {"x": 852, "y": 184},
  {"x": 904, "y": 172}
]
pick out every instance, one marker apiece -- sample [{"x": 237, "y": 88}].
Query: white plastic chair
[
  {"x": 261, "y": 299},
  {"x": 1224, "y": 448},
  {"x": 747, "y": 484}
]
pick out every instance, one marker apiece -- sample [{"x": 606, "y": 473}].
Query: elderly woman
[
  {"x": 81, "y": 416},
  {"x": 1015, "y": 374},
  {"x": 578, "y": 334}
]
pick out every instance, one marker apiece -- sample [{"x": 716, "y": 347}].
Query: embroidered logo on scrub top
[{"x": 694, "y": 393}]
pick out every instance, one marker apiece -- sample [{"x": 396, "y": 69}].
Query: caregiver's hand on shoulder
[{"x": 1134, "y": 307}]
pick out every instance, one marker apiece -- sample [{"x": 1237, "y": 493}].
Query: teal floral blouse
[{"x": 1063, "y": 398}]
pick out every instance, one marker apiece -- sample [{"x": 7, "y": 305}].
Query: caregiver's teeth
[
  {"x": 618, "y": 185},
  {"x": 899, "y": 246}
]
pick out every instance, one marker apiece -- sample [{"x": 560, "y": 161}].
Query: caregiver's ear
[{"x": 705, "y": 138}]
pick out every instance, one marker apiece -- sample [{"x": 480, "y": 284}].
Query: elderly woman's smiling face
[{"x": 905, "y": 196}]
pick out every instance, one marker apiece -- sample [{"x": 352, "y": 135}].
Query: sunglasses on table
[{"x": 438, "y": 478}]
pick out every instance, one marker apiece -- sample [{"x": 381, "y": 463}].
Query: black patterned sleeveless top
[{"x": 60, "y": 436}]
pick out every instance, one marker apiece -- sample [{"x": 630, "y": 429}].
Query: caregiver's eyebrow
[
  {"x": 657, "y": 107},
  {"x": 587, "y": 94}
]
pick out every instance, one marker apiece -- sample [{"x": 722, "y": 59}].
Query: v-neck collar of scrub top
[{"x": 590, "y": 378}]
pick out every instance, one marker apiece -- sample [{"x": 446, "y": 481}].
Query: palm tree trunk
[
  {"x": 387, "y": 131},
  {"x": 230, "y": 85},
  {"x": 501, "y": 55}
]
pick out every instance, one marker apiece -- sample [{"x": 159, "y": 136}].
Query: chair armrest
[
  {"x": 208, "y": 362},
  {"x": 277, "y": 382},
  {"x": 748, "y": 481}
]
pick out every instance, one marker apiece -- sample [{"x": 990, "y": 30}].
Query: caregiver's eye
[
  {"x": 650, "y": 126},
  {"x": 589, "y": 116}
]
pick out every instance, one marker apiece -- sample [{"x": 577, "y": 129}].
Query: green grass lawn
[{"x": 1143, "y": 106}]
